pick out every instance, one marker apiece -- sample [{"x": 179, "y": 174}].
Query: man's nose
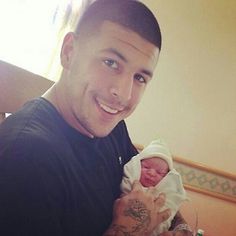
[{"x": 122, "y": 88}]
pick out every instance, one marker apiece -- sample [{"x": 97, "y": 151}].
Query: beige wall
[
  {"x": 191, "y": 101},
  {"x": 215, "y": 216}
]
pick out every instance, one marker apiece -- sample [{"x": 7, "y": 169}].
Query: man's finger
[
  {"x": 160, "y": 200},
  {"x": 137, "y": 185},
  {"x": 167, "y": 233},
  {"x": 151, "y": 190},
  {"x": 163, "y": 216}
]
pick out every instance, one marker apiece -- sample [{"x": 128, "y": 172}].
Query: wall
[
  {"x": 191, "y": 100},
  {"x": 215, "y": 216},
  {"x": 212, "y": 196}
]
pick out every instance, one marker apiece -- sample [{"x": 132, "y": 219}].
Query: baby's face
[{"x": 153, "y": 170}]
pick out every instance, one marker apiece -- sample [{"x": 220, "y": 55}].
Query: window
[{"x": 32, "y": 32}]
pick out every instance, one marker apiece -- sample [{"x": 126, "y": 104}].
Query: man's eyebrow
[
  {"x": 147, "y": 72},
  {"x": 118, "y": 54}
]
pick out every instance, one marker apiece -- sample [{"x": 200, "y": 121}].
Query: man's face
[
  {"x": 153, "y": 170},
  {"x": 106, "y": 76}
]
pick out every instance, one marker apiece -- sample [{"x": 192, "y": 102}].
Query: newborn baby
[{"x": 154, "y": 167}]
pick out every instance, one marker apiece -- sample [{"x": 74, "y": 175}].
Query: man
[{"x": 62, "y": 155}]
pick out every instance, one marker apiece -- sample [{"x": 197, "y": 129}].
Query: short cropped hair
[{"x": 129, "y": 13}]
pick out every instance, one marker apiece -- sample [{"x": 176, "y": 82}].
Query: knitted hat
[{"x": 157, "y": 148}]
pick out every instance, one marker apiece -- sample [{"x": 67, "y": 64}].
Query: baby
[{"x": 154, "y": 167}]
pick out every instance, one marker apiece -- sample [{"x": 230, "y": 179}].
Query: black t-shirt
[{"x": 54, "y": 180}]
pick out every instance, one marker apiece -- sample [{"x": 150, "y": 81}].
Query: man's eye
[
  {"x": 111, "y": 63},
  {"x": 139, "y": 78}
]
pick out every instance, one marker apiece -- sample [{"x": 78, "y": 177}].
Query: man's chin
[{"x": 102, "y": 132}]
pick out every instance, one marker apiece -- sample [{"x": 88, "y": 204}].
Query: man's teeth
[{"x": 108, "y": 109}]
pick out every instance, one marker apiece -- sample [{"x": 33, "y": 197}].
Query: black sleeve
[{"x": 26, "y": 205}]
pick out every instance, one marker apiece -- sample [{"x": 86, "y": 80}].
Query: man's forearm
[
  {"x": 180, "y": 224},
  {"x": 135, "y": 221},
  {"x": 137, "y": 213}
]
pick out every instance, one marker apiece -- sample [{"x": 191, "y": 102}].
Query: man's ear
[{"x": 67, "y": 49}]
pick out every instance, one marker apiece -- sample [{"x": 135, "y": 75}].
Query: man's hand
[
  {"x": 137, "y": 213},
  {"x": 177, "y": 233}
]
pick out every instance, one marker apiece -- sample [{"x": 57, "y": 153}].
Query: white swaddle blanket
[{"x": 171, "y": 185}]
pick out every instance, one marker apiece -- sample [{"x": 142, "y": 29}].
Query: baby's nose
[{"x": 152, "y": 172}]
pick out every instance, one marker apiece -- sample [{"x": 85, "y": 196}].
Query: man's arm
[
  {"x": 137, "y": 213},
  {"x": 179, "y": 227},
  {"x": 179, "y": 223}
]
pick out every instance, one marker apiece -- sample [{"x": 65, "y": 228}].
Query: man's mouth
[{"x": 109, "y": 109}]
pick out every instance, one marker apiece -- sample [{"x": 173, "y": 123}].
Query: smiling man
[
  {"x": 104, "y": 77},
  {"x": 62, "y": 155}
]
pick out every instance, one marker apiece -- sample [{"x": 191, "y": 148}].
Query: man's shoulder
[{"x": 30, "y": 125}]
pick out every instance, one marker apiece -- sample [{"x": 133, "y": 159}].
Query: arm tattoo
[
  {"x": 139, "y": 213},
  {"x": 119, "y": 230}
]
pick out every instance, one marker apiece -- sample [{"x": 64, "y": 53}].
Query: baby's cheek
[
  {"x": 158, "y": 178},
  {"x": 142, "y": 178}
]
